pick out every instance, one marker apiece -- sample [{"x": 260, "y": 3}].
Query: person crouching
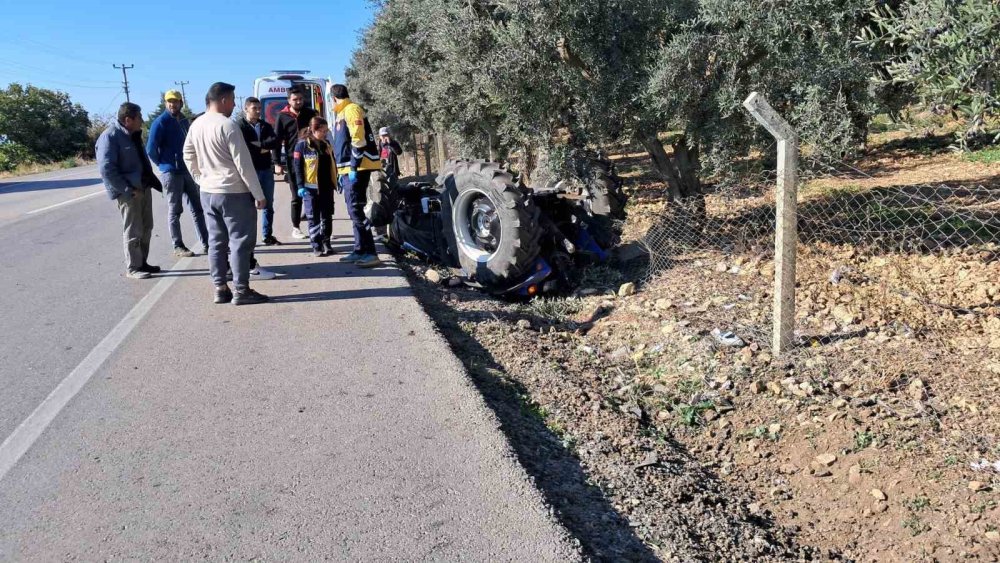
[{"x": 314, "y": 171}]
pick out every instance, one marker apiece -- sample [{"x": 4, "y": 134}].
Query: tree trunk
[
  {"x": 662, "y": 164},
  {"x": 688, "y": 166},
  {"x": 427, "y": 153},
  {"x": 416, "y": 159},
  {"x": 442, "y": 151}
]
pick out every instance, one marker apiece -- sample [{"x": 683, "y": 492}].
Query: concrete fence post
[{"x": 786, "y": 235}]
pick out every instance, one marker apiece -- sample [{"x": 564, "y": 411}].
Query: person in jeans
[
  {"x": 289, "y": 122},
  {"x": 221, "y": 163},
  {"x": 314, "y": 170},
  {"x": 129, "y": 179},
  {"x": 389, "y": 153},
  {"x": 166, "y": 140},
  {"x": 357, "y": 157},
  {"x": 262, "y": 140}
]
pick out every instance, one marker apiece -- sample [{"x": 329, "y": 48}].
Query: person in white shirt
[{"x": 218, "y": 157}]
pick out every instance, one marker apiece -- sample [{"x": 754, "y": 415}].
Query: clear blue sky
[{"x": 70, "y": 46}]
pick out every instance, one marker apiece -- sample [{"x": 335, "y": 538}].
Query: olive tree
[{"x": 949, "y": 52}]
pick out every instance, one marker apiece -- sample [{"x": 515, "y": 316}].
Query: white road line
[
  {"x": 67, "y": 202},
  {"x": 68, "y": 174},
  {"x": 28, "y": 431}
]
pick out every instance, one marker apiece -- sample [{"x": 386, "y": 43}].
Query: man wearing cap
[
  {"x": 165, "y": 150},
  {"x": 389, "y": 154}
]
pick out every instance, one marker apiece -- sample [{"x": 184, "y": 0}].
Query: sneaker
[
  {"x": 182, "y": 251},
  {"x": 262, "y": 274},
  {"x": 138, "y": 274},
  {"x": 297, "y": 234},
  {"x": 319, "y": 253},
  {"x": 352, "y": 257},
  {"x": 248, "y": 297},
  {"x": 150, "y": 269},
  {"x": 329, "y": 248},
  {"x": 204, "y": 250},
  {"x": 271, "y": 241},
  {"x": 223, "y": 295},
  {"x": 368, "y": 261}
]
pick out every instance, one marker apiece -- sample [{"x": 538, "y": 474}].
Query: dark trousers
[
  {"x": 293, "y": 185},
  {"x": 232, "y": 233},
  {"x": 137, "y": 223},
  {"x": 318, "y": 205},
  {"x": 356, "y": 197}
]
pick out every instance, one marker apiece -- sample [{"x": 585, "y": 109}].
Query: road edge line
[{"x": 26, "y": 433}]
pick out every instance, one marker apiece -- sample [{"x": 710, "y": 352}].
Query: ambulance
[{"x": 272, "y": 90}]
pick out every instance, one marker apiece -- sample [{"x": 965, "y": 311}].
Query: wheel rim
[{"x": 477, "y": 225}]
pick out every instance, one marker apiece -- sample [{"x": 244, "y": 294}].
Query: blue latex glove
[
  {"x": 352, "y": 176},
  {"x": 302, "y": 192}
]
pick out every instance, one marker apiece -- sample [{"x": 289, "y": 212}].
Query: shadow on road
[{"x": 39, "y": 185}]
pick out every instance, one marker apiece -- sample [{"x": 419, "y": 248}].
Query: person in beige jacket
[{"x": 218, "y": 157}]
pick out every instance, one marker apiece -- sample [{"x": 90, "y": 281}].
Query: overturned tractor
[{"x": 507, "y": 238}]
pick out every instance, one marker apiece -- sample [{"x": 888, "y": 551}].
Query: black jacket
[
  {"x": 287, "y": 127},
  {"x": 268, "y": 143}
]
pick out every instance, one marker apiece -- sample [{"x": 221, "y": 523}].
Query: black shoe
[
  {"x": 248, "y": 297},
  {"x": 271, "y": 241},
  {"x": 329, "y": 248},
  {"x": 150, "y": 269},
  {"x": 223, "y": 295}
]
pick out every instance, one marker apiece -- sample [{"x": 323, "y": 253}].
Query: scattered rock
[
  {"x": 838, "y": 403},
  {"x": 993, "y": 536},
  {"x": 977, "y": 486},
  {"x": 626, "y": 289},
  {"x": 774, "y": 387},
  {"x": 788, "y": 469},
  {"x": 664, "y": 304},
  {"x": 757, "y": 387},
  {"x": 433, "y": 276},
  {"x": 631, "y": 252},
  {"x": 918, "y": 391},
  {"x": 728, "y": 339},
  {"x": 843, "y": 315},
  {"x": 826, "y": 460},
  {"x": 879, "y": 495},
  {"x": 721, "y": 267},
  {"x": 774, "y": 430},
  {"x": 854, "y": 474},
  {"x": 454, "y": 281},
  {"x": 524, "y": 324}
]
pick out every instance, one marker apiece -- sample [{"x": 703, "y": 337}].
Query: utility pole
[
  {"x": 124, "y": 68},
  {"x": 183, "y": 93}
]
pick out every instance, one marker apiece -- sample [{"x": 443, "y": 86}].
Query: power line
[
  {"x": 112, "y": 102},
  {"x": 21, "y": 67},
  {"x": 124, "y": 69},
  {"x": 183, "y": 93}
]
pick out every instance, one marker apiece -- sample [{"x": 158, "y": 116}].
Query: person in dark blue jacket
[
  {"x": 129, "y": 179},
  {"x": 164, "y": 147}
]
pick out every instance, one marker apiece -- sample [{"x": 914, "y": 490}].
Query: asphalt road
[{"x": 331, "y": 423}]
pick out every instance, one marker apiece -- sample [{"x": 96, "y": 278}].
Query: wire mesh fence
[{"x": 874, "y": 259}]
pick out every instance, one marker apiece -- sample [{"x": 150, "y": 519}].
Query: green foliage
[
  {"x": 985, "y": 156},
  {"x": 863, "y": 439},
  {"x": 949, "y": 52},
  {"x": 12, "y": 154},
  {"x": 45, "y": 122},
  {"x": 691, "y": 414},
  {"x": 559, "y": 78},
  {"x": 555, "y": 309}
]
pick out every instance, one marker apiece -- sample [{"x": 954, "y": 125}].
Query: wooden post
[{"x": 786, "y": 235}]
